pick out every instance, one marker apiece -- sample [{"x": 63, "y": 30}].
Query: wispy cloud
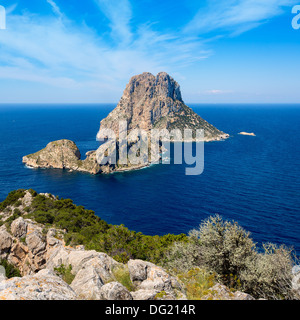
[
  {"x": 61, "y": 52},
  {"x": 55, "y": 8},
  {"x": 217, "y": 92},
  {"x": 119, "y": 14},
  {"x": 235, "y": 16},
  {"x": 57, "y": 52}
]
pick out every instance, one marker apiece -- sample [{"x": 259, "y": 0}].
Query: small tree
[
  {"x": 226, "y": 248},
  {"x": 269, "y": 275}
]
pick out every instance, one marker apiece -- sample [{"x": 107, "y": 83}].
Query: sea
[{"x": 251, "y": 180}]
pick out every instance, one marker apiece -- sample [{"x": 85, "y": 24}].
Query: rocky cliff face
[
  {"x": 63, "y": 154},
  {"x": 39, "y": 252},
  {"x": 150, "y": 102}
]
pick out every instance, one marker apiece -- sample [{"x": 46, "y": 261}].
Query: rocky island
[
  {"x": 155, "y": 102},
  {"x": 148, "y": 102}
]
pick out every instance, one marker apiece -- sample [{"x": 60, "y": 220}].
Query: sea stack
[{"x": 155, "y": 102}]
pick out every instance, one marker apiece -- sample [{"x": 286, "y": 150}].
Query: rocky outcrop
[
  {"x": 148, "y": 102},
  {"x": 44, "y": 285},
  {"x": 247, "y": 134},
  {"x": 43, "y": 258},
  {"x": 155, "y": 102},
  {"x": 221, "y": 292},
  {"x": 115, "y": 291},
  {"x": 63, "y": 154},
  {"x": 151, "y": 280}
]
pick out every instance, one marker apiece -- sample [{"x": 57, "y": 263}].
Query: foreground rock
[
  {"x": 151, "y": 280},
  {"x": 44, "y": 285},
  {"x": 40, "y": 253},
  {"x": 52, "y": 270},
  {"x": 221, "y": 292}
]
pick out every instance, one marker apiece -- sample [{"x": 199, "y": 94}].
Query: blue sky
[{"x": 85, "y": 51}]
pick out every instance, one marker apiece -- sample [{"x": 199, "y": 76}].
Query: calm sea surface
[{"x": 253, "y": 180}]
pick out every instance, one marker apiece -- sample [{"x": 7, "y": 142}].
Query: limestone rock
[
  {"x": 115, "y": 291},
  {"x": 44, "y": 285},
  {"x": 221, "y": 292},
  {"x": 57, "y": 154},
  {"x": 5, "y": 244},
  {"x": 155, "y": 102},
  {"x": 87, "y": 284},
  {"x": 19, "y": 228},
  {"x": 144, "y": 294},
  {"x": 62, "y": 154},
  {"x": 151, "y": 279}
]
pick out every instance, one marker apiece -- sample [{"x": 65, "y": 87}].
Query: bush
[
  {"x": 225, "y": 248},
  {"x": 65, "y": 273},
  {"x": 12, "y": 198},
  {"x": 196, "y": 282},
  {"x": 121, "y": 274},
  {"x": 10, "y": 270},
  {"x": 183, "y": 256},
  {"x": 269, "y": 275}
]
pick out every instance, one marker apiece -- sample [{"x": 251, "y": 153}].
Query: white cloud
[
  {"x": 58, "y": 53},
  {"x": 55, "y": 8},
  {"x": 119, "y": 13},
  {"x": 55, "y": 51},
  {"x": 217, "y": 92},
  {"x": 235, "y": 15}
]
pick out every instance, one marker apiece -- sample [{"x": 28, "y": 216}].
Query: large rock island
[{"x": 148, "y": 102}]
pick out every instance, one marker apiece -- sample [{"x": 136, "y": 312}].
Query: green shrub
[
  {"x": 183, "y": 256},
  {"x": 121, "y": 274},
  {"x": 65, "y": 273},
  {"x": 10, "y": 270},
  {"x": 269, "y": 274},
  {"x": 12, "y": 198},
  {"x": 225, "y": 248},
  {"x": 197, "y": 282},
  {"x": 83, "y": 227}
]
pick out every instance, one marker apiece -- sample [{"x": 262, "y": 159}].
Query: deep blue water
[{"x": 253, "y": 180}]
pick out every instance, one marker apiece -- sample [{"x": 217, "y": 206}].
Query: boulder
[
  {"x": 44, "y": 285},
  {"x": 144, "y": 294},
  {"x": 115, "y": 291},
  {"x": 152, "y": 280},
  {"x": 87, "y": 284},
  {"x": 6, "y": 242},
  {"x": 221, "y": 292},
  {"x": 19, "y": 228}
]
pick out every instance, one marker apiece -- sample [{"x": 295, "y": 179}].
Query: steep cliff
[
  {"x": 54, "y": 269},
  {"x": 150, "y": 102}
]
